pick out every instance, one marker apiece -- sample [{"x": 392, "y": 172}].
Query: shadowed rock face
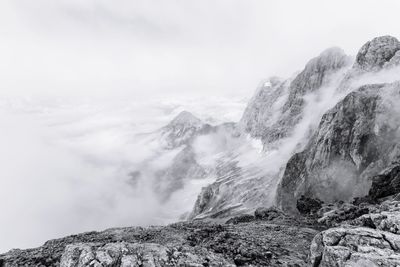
[
  {"x": 351, "y": 143},
  {"x": 386, "y": 183}
]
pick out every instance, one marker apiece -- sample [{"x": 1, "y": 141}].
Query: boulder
[
  {"x": 378, "y": 52},
  {"x": 358, "y": 246}
]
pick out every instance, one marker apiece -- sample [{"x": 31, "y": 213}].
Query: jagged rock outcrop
[
  {"x": 278, "y": 105},
  {"x": 349, "y": 246},
  {"x": 384, "y": 217},
  {"x": 183, "y": 244},
  {"x": 386, "y": 183},
  {"x": 354, "y": 141},
  {"x": 271, "y": 116},
  {"x": 378, "y": 53},
  {"x": 369, "y": 238}
]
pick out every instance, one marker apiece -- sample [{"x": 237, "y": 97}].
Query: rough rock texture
[
  {"x": 365, "y": 235},
  {"x": 378, "y": 52},
  {"x": 385, "y": 217},
  {"x": 278, "y": 105},
  {"x": 348, "y": 246},
  {"x": 256, "y": 243},
  {"x": 334, "y": 214},
  {"x": 354, "y": 141},
  {"x": 386, "y": 183}
]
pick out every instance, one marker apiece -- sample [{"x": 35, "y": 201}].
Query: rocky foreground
[
  {"x": 246, "y": 241},
  {"x": 340, "y": 234}
]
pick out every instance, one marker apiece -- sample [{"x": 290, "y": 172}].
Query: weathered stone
[
  {"x": 257, "y": 243},
  {"x": 377, "y": 52},
  {"x": 351, "y": 138},
  {"x": 346, "y": 246}
]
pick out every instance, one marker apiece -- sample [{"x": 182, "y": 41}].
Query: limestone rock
[
  {"x": 349, "y": 246},
  {"x": 377, "y": 52}
]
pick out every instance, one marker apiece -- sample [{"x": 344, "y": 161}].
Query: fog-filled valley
[{"x": 70, "y": 166}]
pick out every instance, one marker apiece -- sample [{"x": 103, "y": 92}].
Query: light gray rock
[
  {"x": 377, "y": 53},
  {"x": 347, "y": 246},
  {"x": 384, "y": 217}
]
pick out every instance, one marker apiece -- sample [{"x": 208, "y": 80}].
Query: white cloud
[{"x": 138, "y": 48}]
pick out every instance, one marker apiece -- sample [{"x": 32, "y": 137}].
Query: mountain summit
[{"x": 181, "y": 129}]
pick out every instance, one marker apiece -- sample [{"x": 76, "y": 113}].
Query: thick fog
[{"x": 81, "y": 81}]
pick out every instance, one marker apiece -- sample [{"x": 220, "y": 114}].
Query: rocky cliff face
[
  {"x": 275, "y": 116},
  {"x": 352, "y": 144},
  {"x": 278, "y": 105}
]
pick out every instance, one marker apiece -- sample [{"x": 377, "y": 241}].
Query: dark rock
[
  {"x": 241, "y": 219},
  {"x": 268, "y": 214},
  {"x": 307, "y": 205},
  {"x": 385, "y": 184}
]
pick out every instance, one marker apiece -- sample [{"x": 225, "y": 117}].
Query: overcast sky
[{"x": 137, "y": 48}]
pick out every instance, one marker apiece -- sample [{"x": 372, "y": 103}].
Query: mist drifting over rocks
[{"x": 308, "y": 176}]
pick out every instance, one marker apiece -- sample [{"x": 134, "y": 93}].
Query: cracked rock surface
[{"x": 254, "y": 243}]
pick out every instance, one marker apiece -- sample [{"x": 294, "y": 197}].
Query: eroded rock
[{"x": 346, "y": 246}]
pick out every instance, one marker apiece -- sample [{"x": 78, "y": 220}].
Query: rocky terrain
[
  {"x": 259, "y": 241},
  {"x": 321, "y": 188}
]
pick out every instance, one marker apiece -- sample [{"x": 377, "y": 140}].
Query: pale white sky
[{"x": 135, "y": 48}]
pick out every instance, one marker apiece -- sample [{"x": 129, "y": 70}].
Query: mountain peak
[
  {"x": 186, "y": 118},
  {"x": 374, "y": 54},
  {"x": 331, "y": 58}
]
